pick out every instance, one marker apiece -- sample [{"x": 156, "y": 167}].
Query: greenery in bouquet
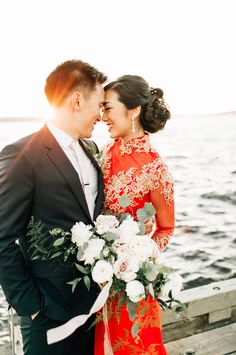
[{"x": 115, "y": 249}]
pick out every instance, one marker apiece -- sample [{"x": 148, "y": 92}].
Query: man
[{"x": 51, "y": 176}]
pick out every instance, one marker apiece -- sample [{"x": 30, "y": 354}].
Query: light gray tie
[{"x": 84, "y": 177}]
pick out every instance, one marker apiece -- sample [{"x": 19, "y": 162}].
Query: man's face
[{"x": 90, "y": 111}]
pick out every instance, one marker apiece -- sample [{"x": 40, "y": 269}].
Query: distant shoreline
[
  {"x": 40, "y": 119},
  {"x": 21, "y": 119}
]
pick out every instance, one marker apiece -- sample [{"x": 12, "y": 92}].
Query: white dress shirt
[{"x": 82, "y": 164}]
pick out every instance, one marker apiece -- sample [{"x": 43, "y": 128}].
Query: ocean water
[{"x": 201, "y": 154}]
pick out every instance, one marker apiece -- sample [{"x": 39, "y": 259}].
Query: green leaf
[
  {"x": 110, "y": 237},
  {"x": 142, "y": 228},
  {"x": 180, "y": 309},
  {"x": 142, "y": 215},
  {"x": 162, "y": 303},
  {"x": 87, "y": 282},
  {"x": 123, "y": 217},
  {"x": 41, "y": 248},
  {"x": 59, "y": 242},
  {"x": 150, "y": 210},
  {"x": 74, "y": 283},
  {"x": 124, "y": 201},
  {"x": 134, "y": 330},
  {"x": 79, "y": 254},
  {"x": 131, "y": 310},
  {"x": 58, "y": 253},
  {"x": 36, "y": 257},
  {"x": 170, "y": 294},
  {"x": 82, "y": 269}
]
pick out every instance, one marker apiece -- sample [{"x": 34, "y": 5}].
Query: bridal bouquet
[{"x": 116, "y": 251}]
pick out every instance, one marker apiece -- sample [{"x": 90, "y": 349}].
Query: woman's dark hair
[{"x": 134, "y": 91}]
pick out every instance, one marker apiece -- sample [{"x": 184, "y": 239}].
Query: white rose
[
  {"x": 102, "y": 272},
  {"x": 101, "y": 228},
  {"x": 175, "y": 283},
  {"x": 127, "y": 229},
  {"x": 105, "y": 223},
  {"x": 125, "y": 268},
  {"x": 80, "y": 233},
  {"x": 135, "y": 290},
  {"x": 141, "y": 246},
  {"x": 92, "y": 252}
]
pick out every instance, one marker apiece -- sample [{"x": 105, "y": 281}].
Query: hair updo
[{"x": 134, "y": 91}]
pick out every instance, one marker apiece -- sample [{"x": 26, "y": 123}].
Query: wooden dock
[{"x": 207, "y": 327}]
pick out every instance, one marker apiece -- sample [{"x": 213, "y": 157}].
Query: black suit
[{"x": 37, "y": 179}]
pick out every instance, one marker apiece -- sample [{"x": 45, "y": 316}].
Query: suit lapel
[{"x": 65, "y": 168}]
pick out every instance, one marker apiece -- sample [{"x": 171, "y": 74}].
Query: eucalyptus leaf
[
  {"x": 134, "y": 330},
  {"x": 124, "y": 201},
  {"x": 123, "y": 217},
  {"x": 36, "y": 257},
  {"x": 82, "y": 269},
  {"x": 55, "y": 255},
  {"x": 74, "y": 283},
  {"x": 110, "y": 236},
  {"x": 149, "y": 209},
  {"x": 131, "y": 310},
  {"x": 59, "y": 242},
  {"x": 87, "y": 282},
  {"x": 142, "y": 215},
  {"x": 79, "y": 254},
  {"x": 142, "y": 228}
]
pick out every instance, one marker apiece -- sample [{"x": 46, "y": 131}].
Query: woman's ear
[{"x": 136, "y": 111}]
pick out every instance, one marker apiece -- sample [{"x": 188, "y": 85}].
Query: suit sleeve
[{"x": 16, "y": 196}]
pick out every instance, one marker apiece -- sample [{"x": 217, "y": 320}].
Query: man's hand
[{"x": 34, "y": 315}]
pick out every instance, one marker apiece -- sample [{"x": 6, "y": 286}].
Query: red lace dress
[{"x": 136, "y": 170}]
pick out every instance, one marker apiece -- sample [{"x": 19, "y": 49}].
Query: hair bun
[{"x": 157, "y": 92}]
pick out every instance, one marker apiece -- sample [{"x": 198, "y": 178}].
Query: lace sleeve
[{"x": 162, "y": 199}]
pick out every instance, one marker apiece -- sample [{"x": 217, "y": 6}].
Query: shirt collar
[{"x": 63, "y": 139}]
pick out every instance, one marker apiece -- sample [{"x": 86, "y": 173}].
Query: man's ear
[{"x": 75, "y": 100}]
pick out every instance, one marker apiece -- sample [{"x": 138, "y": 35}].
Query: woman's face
[{"x": 117, "y": 116}]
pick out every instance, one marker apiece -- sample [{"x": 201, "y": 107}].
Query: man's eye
[{"x": 107, "y": 108}]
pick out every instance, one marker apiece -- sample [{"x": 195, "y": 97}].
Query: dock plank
[{"x": 219, "y": 341}]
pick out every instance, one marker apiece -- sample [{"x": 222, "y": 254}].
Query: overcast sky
[{"x": 186, "y": 47}]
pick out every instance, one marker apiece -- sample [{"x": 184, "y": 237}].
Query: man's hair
[{"x": 71, "y": 75}]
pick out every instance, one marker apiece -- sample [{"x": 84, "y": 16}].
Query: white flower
[
  {"x": 105, "y": 223},
  {"x": 106, "y": 252},
  {"x": 92, "y": 252},
  {"x": 102, "y": 272},
  {"x": 125, "y": 268},
  {"x": 141, "y": 246},
  {"x": 80, "y": 233},
  {"x": 127, "y": 229},
  {"x": 175, "y": 283},
  {"x": 135, "y": 290}
]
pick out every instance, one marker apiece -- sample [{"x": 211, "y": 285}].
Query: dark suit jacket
[{"x": 37, "y": 179}]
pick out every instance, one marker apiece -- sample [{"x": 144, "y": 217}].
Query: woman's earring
[{"x": 133, "y": 127}]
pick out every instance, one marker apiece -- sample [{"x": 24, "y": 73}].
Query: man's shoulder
[{"x": 24, "y": 143}]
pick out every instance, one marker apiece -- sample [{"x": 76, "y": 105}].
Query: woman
[{"x": 133, "y": 168}]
